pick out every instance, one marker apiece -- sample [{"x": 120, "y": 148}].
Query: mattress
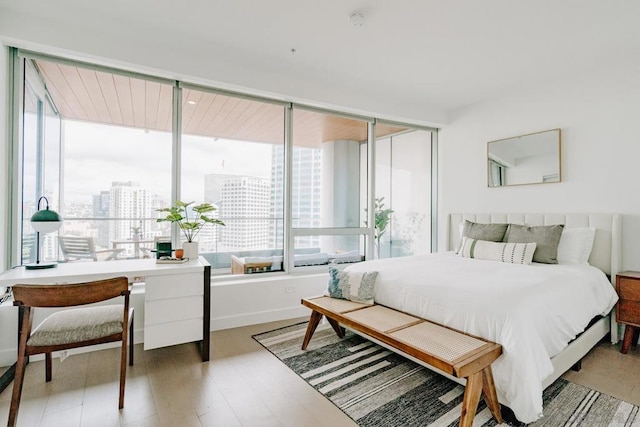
[{"x": 533, "y": 311}]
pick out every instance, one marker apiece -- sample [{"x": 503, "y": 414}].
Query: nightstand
[{"x": 628, "y": 308}]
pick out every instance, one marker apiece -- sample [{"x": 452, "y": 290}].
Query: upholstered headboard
[{"x": 606, "y": 253}]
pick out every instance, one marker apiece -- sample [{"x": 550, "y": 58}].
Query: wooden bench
[{"x": 451, "y": 351}]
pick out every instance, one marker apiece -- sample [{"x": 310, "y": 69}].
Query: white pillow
[
  {"x": 575, "y": 245},
  {"x": 513, "y": 253}
]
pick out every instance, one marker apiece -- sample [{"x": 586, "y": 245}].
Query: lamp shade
[{"x": 46, "y": 221}]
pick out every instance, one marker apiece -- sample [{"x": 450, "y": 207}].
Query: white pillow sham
[
  {"x": 513, "y": 253},
  {"x": 575, "y": 245}
]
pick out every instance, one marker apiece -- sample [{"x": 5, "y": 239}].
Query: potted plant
[
  {"x": 190, "y": 226},
  {"x": 136, "y": 233},
  {"x": 381, "y": 221}
]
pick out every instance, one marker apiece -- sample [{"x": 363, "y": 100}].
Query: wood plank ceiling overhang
[{"x": 113, "y": 99}]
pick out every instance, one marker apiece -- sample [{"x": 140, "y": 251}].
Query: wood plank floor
[{"x": 243, "y": 385}]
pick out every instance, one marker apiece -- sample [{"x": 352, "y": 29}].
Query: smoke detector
[{"x": 356, "y": 19}]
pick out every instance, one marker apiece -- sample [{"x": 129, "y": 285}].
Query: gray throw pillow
[
  {"x": 546, "y": 238},
  {"x": 490, "y": 232}
]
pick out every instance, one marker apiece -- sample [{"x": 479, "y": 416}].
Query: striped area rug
[{"x": 376, "y": 387}]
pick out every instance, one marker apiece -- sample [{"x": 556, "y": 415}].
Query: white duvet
[{"x": 533, "y": 311}]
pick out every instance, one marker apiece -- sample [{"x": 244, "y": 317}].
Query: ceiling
[
  {"x": 114, "y": 99},
  {"x": 409, "y": 58}
]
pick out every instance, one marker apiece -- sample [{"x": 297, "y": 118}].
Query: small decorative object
[
  {"x": 163, "y": 249},
  {"x": 44, "y": 221},
  {"x": 180, "y": 253},
  {"x": 190, "y": 227}
]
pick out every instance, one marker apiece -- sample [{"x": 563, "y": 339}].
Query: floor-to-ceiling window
[
  {"x": 40, "y": 163},
  {"x": 326, "y": 184},
  {"x": 293, "y": 184},
  {"x": 403, "y": 192},
  {"x": 116, "y": 156},
  {"x": 231, "y": 157}
]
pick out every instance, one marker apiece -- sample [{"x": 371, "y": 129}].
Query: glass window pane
[
  {"x": 411, "y": 193},
  {"x": 232, "y": 157},
  {"x": 31, "y": 167},
  {"x": 326, "y": 178},
  {"x": 403, "y": 191},
  {"x": 116, "y": 162}
]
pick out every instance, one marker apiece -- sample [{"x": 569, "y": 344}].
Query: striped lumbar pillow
[{"x": 514, "y": 253}]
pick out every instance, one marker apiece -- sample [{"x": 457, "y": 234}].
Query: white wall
[
  {"x": 598, "y": 113},
  {"x": 262, "y": 298}
]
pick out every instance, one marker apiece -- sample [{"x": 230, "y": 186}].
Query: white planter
[{"x": 190, "y": 250}]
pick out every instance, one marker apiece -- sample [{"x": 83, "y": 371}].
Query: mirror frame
[{"x": 559, "y": 157}]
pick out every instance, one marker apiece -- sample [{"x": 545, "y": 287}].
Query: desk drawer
[
  {"x": 165, "y": 334},
  {"x": 173, "y": 309},
  {"x": 173, "y": 285}
]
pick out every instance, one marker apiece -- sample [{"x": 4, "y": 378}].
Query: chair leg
[
  {"x": 17, "y": 388},
  {"x": 131, "y": 341},
  {"x": 47, "y": 366},
  {"x": 123, "y": 372}
]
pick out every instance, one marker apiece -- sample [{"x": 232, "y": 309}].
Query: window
[
  {"x": 232, "y": 158},
  {"x": 117, "y": 156},
  {"x": 293, "y": 184},
  {"x": 403, "y": 197},
  {"x": 329, "y": 152},
  {"x": 40, "y": 163}
]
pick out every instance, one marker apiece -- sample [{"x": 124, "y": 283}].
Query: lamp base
[{"x": 40, "y": 265}]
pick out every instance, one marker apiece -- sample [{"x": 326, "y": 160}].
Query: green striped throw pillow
[{"x": 514, "y": 253}]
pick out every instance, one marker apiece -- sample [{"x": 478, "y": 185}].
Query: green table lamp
[{"x": 44, "y": 221}]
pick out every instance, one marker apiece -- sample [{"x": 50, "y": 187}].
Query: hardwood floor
[{"x": 243, "y": 385}]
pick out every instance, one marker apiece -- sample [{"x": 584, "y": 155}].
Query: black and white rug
[{"x": 376, "y": 387}]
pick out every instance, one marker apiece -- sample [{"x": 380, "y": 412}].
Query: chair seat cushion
[{"x": 77, "y": 325}]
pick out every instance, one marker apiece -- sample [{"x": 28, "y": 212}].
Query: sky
[{"x": 96, "y": 155}]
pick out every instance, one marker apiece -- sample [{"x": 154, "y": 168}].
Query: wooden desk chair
[
  {"x": 76, "y": 327},
  {"x": 77, "y": 248}
]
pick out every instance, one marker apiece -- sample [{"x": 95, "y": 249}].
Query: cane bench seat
[{"x": 451, "y": 351}]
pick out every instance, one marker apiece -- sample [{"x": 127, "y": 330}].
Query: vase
[{"x": 190, "y": 250}]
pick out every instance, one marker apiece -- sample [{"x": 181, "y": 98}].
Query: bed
[{"x": 546, "y": 317}]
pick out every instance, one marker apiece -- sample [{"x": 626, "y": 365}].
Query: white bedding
[{"x": 532, "y": 310}]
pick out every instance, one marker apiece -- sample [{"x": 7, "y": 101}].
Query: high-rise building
[
  {"x": 305, "y": 199},
  {"x": 128, "y": 202},
  {"x": 101, "y": 210},
  {"x": 243, "y": 203}
]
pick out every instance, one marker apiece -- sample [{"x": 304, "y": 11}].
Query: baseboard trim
[{"x": 246, "y": 319}]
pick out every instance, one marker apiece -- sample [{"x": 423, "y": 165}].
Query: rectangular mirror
[{"x": 527, "y": 159}]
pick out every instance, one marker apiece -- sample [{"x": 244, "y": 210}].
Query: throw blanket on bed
[{"x": 532, "y": 310}]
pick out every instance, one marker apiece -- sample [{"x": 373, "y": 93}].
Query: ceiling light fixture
[
  {"x": 356, "y": 19},
  {"x": 190, "y": 102}
]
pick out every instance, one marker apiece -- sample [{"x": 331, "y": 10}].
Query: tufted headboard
[{"x": 606, "y": 253}]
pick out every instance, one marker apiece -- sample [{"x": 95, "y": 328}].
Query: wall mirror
[{"x": 526, "y": 159}]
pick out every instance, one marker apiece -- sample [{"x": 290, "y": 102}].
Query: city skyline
[{"x": 148, "y": 160}]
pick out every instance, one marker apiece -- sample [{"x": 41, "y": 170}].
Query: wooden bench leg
[
  {"x": 336, "y": 327},
  {"x": 490, "y": 395},
  {"x": 311, "y": 328},
  {"x": 471, "y": 398}
]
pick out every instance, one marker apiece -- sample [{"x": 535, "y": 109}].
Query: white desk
[{"x": 177, "y": 296}]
